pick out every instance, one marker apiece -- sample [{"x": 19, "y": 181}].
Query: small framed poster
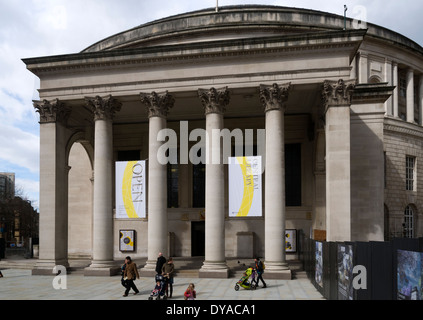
[
  {"x": 291, "y": 240},
  {"x": 127, "y": 240}
]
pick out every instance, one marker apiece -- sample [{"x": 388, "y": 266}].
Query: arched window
[{"x": 408, "y": 225}]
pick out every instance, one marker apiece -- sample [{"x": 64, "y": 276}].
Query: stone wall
[{"x": 402, "y": 139}]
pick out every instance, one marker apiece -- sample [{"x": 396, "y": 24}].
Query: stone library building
[{"x": 223, "y": 133}]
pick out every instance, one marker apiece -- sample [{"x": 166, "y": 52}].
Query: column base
[
  {"x": 46, "y": 267},
  {"x": 149, "y": 269},
  {"x": 102, "y": 269},
  {"x": 277, "y": 270},
  {"x": 212, "y": 269}
]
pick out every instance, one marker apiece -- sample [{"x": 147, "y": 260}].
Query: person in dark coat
[
  {"x": 259, "y": 266},
  {"x": 160, "y": 262},
  {"x": 130, "y": 274},
  {"x": 167, "y": 271}
]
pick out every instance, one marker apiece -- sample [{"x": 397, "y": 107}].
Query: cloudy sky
[{"x": 34, "y": 28}]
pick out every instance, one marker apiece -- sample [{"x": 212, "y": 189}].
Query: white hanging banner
[
  {"x": 130, "y": 189},
  {"x": 245, "y": 186}
]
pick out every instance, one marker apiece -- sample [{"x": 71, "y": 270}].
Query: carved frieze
[
  {"x": 158, "y": 104},
  {"x": 274, "y": 97},
  {"x": 52, "y": 111},
  {"x": 214, "y": 100},
  {"x": 103, "y": 108}
]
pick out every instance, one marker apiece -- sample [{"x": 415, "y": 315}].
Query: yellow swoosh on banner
[
  {"x": 247, "y": 198},
  {"x": 127, "y": 190}
]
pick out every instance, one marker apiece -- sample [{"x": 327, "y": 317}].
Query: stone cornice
[
  {"x": 52, "y": 111},
  {"x": 372, "y": 93},
  {"x": 103, "y": 108},
  {"x": 204, "y": 50},
  {"x": 274, "y": 97},
  {"x": 398, "y": 126},
  {"x": 158, "y": 104},
  {"x": 214, "y": 100}
]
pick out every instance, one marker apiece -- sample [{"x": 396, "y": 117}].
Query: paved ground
[{"x": 19, "y": 284}]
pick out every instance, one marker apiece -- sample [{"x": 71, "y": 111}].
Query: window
[
  {"x": 384, "y": 169},
  {"x": 403, "y": 87},
  {"x": 410, "y": 163},
  {"x": 293, "y": 175},
  {"x": 172, "y": 185},
  {"x": 199, "y": 185},
  {"x": 128, "y": 155},
  {"x": 408, "y": 222},
  {"x": 386, "y": 223}
]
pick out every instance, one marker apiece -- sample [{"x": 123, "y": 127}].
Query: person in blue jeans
[{"x": 259, "y": 269}]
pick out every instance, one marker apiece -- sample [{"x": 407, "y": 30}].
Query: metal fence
[{"x": 372, "y": 270}]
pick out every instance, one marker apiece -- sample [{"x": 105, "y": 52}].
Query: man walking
[{"x": 129, "y": 275}]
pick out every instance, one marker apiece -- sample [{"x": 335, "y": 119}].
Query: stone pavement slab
[{"x": 18, "y": 284}]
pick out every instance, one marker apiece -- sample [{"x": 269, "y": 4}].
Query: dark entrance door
[{"x": 198, "y": 238}]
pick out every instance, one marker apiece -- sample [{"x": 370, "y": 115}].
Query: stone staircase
[
  {"x": 187, "y": 267},
  {"x": 297, "y": 269},
  {"x": 184, "y": 267}
]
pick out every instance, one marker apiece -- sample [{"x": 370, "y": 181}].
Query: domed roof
[{"x": 236, "y": 22}]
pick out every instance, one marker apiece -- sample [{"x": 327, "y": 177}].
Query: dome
[{"x": 237, "y": 22}]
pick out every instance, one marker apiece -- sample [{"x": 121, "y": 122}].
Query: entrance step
[{"x": 187, "y": 273}]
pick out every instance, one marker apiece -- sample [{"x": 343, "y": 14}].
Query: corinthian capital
[
  {"x": 104, "y": 108},
  {"x": 274, "y": 97},
  {"x": 338, "y": 93},
  {"x": 52, "y": 111},
  {"x": 158, "y": 104},
  {"x": 214, "y": 100}
]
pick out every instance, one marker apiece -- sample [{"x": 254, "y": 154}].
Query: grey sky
[{"x": 33, "y": 28}]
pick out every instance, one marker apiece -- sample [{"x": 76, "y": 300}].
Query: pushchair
[
  {"x": 243, "y": 282},
  {"x": 159, "y": 291}
]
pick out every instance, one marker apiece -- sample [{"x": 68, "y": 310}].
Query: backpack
[{"x": 264, "y": 267}]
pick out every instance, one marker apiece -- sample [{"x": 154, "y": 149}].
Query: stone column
[
  {"x": 104, "y": 109},
  {"x": 319, "y": 217},
  {"x": 337, "y": 101},
  {"x": 363, "y": 70},
  {"x": 410, "y": 95},
  {"x": 273, "y": 99},
  {"x": 53, "y": 186},
  {"x": 367, "y": 176},
  {"x": 387, "y": 77},
  {"x": 158, "y": 106},
  {"x": 214, "y": 102},
  {"x": 395, "y": 92}
]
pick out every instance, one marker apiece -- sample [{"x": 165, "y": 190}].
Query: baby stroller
[
  {"x": 159, "y": 291},
  {"x": 243, "y": 282}
]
